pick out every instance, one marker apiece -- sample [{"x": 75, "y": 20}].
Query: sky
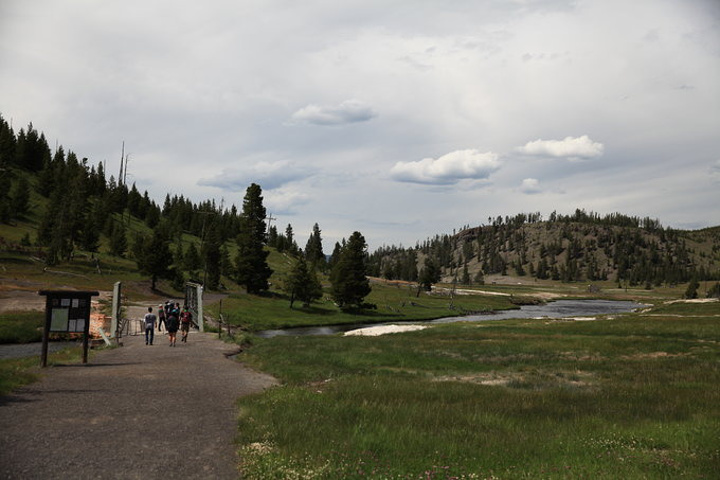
[{"x": 400, "y": 119}]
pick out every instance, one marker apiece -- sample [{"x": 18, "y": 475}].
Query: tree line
[
  {"x": 581, "y": 247},
  {"x": 81, "y": 204}
]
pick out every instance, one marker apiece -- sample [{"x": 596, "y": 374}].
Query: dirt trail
[{"x": 132, "y": 412}]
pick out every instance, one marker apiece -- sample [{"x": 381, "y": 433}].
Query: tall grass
[
  {"x": 21, "y": 327},
  {"x": 630, "y": 397},
  {"x": 16, "y": 372}
]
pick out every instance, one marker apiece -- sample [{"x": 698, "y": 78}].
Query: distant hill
[{"x": 580, "y": 247}]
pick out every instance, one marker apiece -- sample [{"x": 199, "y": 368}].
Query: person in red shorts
[{"x": 185, "y": 320}]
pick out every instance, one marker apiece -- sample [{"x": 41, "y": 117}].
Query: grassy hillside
[
  {"x": 580, "y": 248},
  {"x": 595, "y": 248}
]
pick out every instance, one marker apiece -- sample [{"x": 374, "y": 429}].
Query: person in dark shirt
[
  {"x": 172, "y": 323},
  {"x": 161, "y": 318}
]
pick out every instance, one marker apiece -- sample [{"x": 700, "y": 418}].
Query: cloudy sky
[{"x": 400, "y": 119}]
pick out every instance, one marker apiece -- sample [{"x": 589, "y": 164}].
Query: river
[{"x": 556, "y": 309}]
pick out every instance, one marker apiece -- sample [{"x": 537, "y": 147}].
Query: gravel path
[{"x": 132, "y": 412}]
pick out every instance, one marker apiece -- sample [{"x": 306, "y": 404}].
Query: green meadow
[
  {"x": 21, "y": 327},
  {"x": 632, "y": 396}
]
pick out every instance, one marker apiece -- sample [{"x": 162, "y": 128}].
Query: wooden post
[
  {"x": 116, "y": 305},
  {"x": 46, "y": 336}
]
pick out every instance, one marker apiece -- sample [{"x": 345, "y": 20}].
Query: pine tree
[
  {"x": 178, "y": 254},
  {"x": 251, "y": 268},
  {"x": 20, "y": 198},
  {"x": 465, "y": 279},
  {"x": 152, "y": 216},
  {"x": 118, "y": 240},
  {"x": 32, "y": 149},
  {"x": 56, "y": 228},
  {"x": 314, "y": 250},
  {"x": 178, "y": 279},
  {"x": 335, "y": 257},
  {"x": 191, "y": 259},
  {"x": 410, "y": 271},
  {"x": 349, "y": 280},
  {"x": 429, "y": 274},
  {"x": 272, "y": 237},
  {"x": 90, "y": 233},
  {"x": 302, "y": 284},
  {"x": 154, "y": 258},
  {"x": 290, "y": 244},
  {"x": 8, "y": 144},
  {"x": 226, "y": 265},
  {"x": 135, "y": 202},
  {"x": 212, "y": 256},
  {"x": 5, "y": 200},
  {"x": 692, "y": 290}
]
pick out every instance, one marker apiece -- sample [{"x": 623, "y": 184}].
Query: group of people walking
[{"x": 172, "y": 317}]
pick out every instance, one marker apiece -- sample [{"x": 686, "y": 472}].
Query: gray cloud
[
  {"x": 715, "y": 171},
  {"x": 349, "y": 111},
  {"x": 269, "y": 175}
]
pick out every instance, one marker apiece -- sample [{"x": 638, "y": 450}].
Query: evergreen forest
[{"x": 76, "y": 208}]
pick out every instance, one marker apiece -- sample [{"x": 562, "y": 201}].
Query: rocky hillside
[{"x": 581, "y": 247}]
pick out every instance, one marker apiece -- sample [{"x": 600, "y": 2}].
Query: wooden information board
[{"x": 67, "y": 311}]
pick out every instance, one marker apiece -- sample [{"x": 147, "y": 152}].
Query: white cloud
[
  {"x": 285, "y": 201},
  {"x": 349, "y": 111},
  {"x": 530, "y": 186},
  {"x": 448, "y": 169},
  {"x": 570, "y": 147}
]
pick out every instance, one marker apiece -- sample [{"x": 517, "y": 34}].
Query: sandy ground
[
  {"x": 13, "y": 299},
  {"x": 384, "y": 329},
  {"x": 20, "y": 300}
]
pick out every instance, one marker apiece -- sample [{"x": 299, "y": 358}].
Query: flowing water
[{"x": 557, "y": 309}]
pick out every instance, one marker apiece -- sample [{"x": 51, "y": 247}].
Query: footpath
[{"x": 133, "y": 412}]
